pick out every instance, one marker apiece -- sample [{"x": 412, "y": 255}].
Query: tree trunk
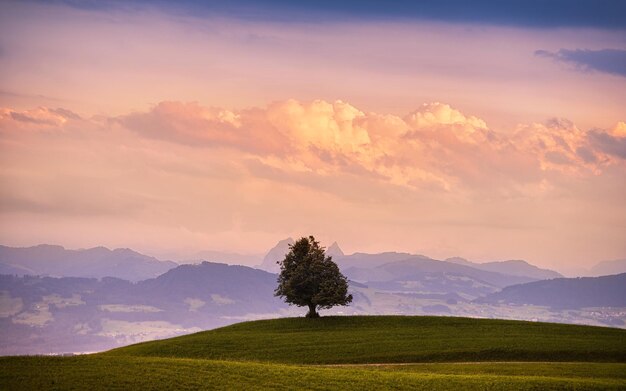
[{"x": 312, "y": 313}]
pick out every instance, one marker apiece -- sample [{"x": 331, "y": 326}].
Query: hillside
[
  {"x": 421, "y": 274},
  {"x": 391, "y": 339},
  {"x": 42, "y": 315},
  {"x": 605, "y": 291},
  {"x": 286, "y": 353},
  {"x": 217, "y": 284},
  {"x": 39, "y": 315},
  {"x": 370, "y": 261},
  {"x": 511, "y": 267},
  {"x": 97, "y": 372}
]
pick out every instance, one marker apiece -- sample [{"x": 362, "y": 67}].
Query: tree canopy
[{"x": 310, "y": 278}]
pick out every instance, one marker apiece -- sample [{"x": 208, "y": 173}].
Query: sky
[{"x": 487, "y": 130}]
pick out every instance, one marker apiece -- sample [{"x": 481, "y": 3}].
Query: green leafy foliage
[{"x": 310, "y": 278}]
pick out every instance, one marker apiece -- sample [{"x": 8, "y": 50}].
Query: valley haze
[{"x": 55, "y": 300}]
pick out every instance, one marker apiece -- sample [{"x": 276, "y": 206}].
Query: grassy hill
[
  {"x": 392, "y": 339},
  {"x": 377, "y": 352}
]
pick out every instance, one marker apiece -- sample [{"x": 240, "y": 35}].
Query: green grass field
[{"x": 430, "y": 353}]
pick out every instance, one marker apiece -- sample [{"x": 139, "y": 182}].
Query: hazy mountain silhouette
[
  {"x": 368, "y": 261},
  {"x": 605, "y": 291},
  {"x": 609, "y": 267},
  {"x": 334, "y": 251},
  {"x": 421, "y": 274},
  {"x": 409, "y": 267},
  {"x": 276, "y": 254},
  {"x": 46, "y": 314},
  {"x": 94, "y": 262},
  {"x": 512, "y": 267},
  {"x": 241, "y": 289},
  {"x": 224, "y": 257}
]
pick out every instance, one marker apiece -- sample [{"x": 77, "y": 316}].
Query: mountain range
[
  {"x": 223, "y": 257},
  {"x": 97, "y": 262},
  {"x": 511, "y": 267},
  {"x": 56, "y": 299},
  {"x": 565, "y": 293},
  {"x": 608, "y": 267},
  {"x": 44, "y": 314},
  {"x": 428, "y": 275}
]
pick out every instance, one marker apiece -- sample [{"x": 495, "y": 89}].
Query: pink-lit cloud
[
  {"x": 128, "y": 58},
  {"x": 436, "y": 180},
  {"x": 433, "y": 145},
  {"x": 39, "y": 118}
]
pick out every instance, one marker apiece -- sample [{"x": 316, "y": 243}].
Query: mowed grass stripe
[
  {"x": 99, "y": 372},
  {"x": 536, "y": 369},
  {"x": 392, "y": 339}
]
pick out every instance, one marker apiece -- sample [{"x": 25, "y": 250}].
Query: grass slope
[
  {"x": 152, "y": 373},
  {"x": 392, "y": 339},
  {"x": 277, "y": 354}
]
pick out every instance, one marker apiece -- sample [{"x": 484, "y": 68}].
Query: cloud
[
  {"x": 36, "y": 117},
  {"x": 558, "y": 145},
  {"x": 611, "y": 61},
  {"x": 612, "y": 143},
  {"x": 186, "y": 175},
  {"x": 433, "y": 147},
  {"x": 192, "y": 124},
  {"x": 263, "y": 61}
]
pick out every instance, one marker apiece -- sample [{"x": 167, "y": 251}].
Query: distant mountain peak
[
  {"x": 514, "y": 267},
  {"x": 460, "y": 261},
  {"x": 616, "y": 266},
  {"x": 276, "y": 254},
  {"x": 334, "y": 250},
  {"x": 287, "y": 241},
  {"x": 516, "y": 261},
  {"x": 44, "y": 245}
]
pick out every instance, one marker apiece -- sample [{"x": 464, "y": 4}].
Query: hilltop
[
  {"x": 40, "y": 315},
  {"x": 355, "y": 353},
  {"x": 391, "y": 339}
]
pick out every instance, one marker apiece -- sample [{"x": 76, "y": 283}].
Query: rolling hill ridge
[
  {"x": 348, "y": 353},
  {"x": 97, "y": 262}
]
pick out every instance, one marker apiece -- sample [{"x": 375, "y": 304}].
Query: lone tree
[{"x": 309, "y": 278}]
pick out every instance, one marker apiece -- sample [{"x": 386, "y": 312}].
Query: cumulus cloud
[
  {"x": 612, "y": 143},
  {"x": 35, "y": 118},
  {"x": 192, "y": 124},
  {"x": 612, "y": 61},
  {"x": 557, "y": 144},
  {"x": 434, "y": 146},
  {"x": 182, "y": 174},
  {"x": 332, "y": 126},
  {"x": 437, "y": 114}
]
